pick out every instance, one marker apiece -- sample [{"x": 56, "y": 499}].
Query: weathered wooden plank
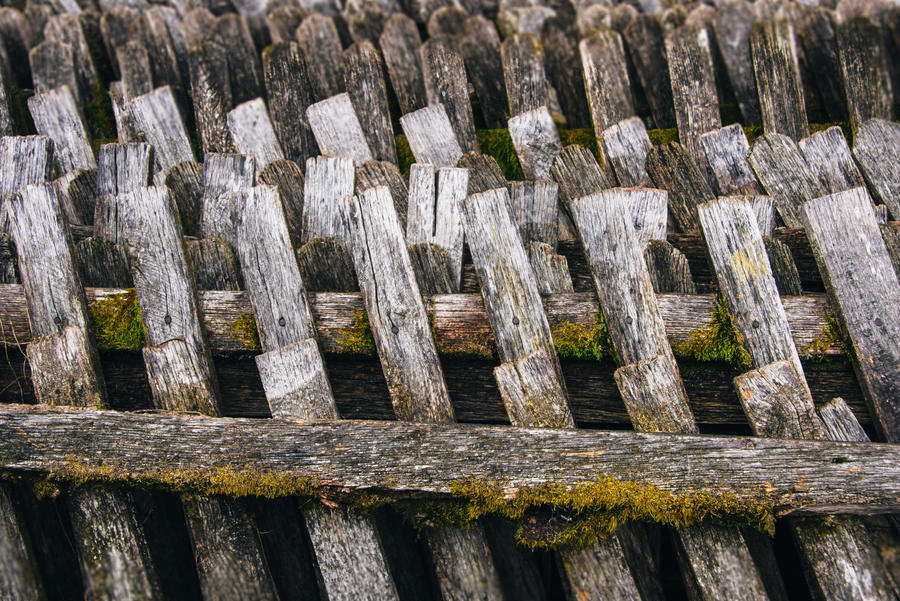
[
  {"x": 445, "y": 83},
  {"x": 577, "y": 173},
  {"x": 626, "y": 145},
  {"x": 726, "y": 152},
  {"x": 66, "y": 28},
  {"x": 102, "y": 263},
  {"x": 289, "y": 95},
  {"x": 523, "y": 73},
  {"x": 321, "y": 47},
  {"x": 693, "y": 87},
  {"x": 252, "y": 132},
  {"x": 52, "y": 67},
  {"x": 780, "y": 88},
  {"x": 829, "y": 158},
  {"x": 213, "y": 264},
  {"x": 232, "y": 32},
  {"x": 646, "y": 47},
  {"x": 668, "y": 267},
  {"x": 864, "y": 63},
  {"x": 784, "y": 173},
  {"x": 134, "y": 69},
  {"x": 732, "y": 24},
  {"x": 382, "y": 173},
  {"x": 185, "y": 183},
  {"x": 24, "y": 160},
  {"x": 364, "y": 79},
  {"x": 673, "y": 168},
  {"x": 857, "y": 271},
  {"x": 338, "y": 130},
  {"x": 606, "y": 79},
  {"x": 431, "y": 136},
  {"x": 211, "y": 96},
  {"x": 399, "y": 43},
  {"x": 876, "y": 148},
  {"x": 329, "y": 180},
  {"x": 536, "y": 141},
  {"x": 288, "y": 178},
  {"x": 223, "y": 175},
  {"x": 447, "y": 20},
  {"x": 19, "y": 578},
  {"x": 784, "y": 268},
  {"x": 156, "y": 117},
  {"x": 283, "y": 22},
  {"x": 122, "y": 168},
  {"x": 56, "y": 116},
  {"x": 375, "y": 454},
  {"x": 559, "y": 38}
]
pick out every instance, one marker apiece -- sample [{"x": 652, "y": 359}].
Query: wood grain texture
[
  {"x": 606, "y": 79},
  {"x": 829, "y": 158},
  {"x": 211, "y": 96},
  {"x": 399, "y": 43},
  {"x": 364, "y": 79},
  {"x": 578, "y": 174},
  {"x": 864, "y": 63},
  {"x": 858, "y": 273},
  {"x": 523, "y": 73},
  {"x": 673, "y": 168},
  {"x": 719, "y": 563},
  {"x": 668, "y": 267},
  {"x": 536, "y": 141},
  {"x": 223, "y": 175},
  {"x": 155, "y": 116},
  {"x": 329, "y": 180},
  {"x": 561, "y": 59},
  {"x": 289, "y": 94},
  {"x": 52, "y": 67},
  {"x": 516, "y": 456},
  {"x": 778, "y": 82},
  {"x": 338, "y": 130},
  {"x": 19, "y": 580},
  {"x": 626, "y": 145},
  {"x": 646, "y": 47},
  {"x": 185, "y": 183},
  {"x": 24, "y": 160},
  {"x": 732, "y": 24},
  {"x": 56, "y": 116},
  {"x": 122, "y": 168},
  {"x": 445, "y": 83},
  {"x": 876, "y": 148},
  {"x": 726, "y": 151},
  {"x": 134, "y": 69},
  {"x": 431, "y": 136},
  {"x": 287, "y": 176},
  {"x": 232, "y": 32},
  {"x": 786, "y": 176}
]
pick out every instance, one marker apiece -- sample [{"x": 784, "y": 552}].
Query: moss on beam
[
  {"x": 116, "y": 322},
  {"x": 575, "y": 341},
  {"x": 719, "y": 340}
]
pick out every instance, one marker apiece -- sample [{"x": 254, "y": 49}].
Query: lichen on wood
[
  {"x": 719, "y": 340},
  {"x": 576, "y": 341},
  {"x": 244, "y": 329},
  {"x": 116, "y": 322},
  {"x": 833, "y": 335},
  {"x": 358, "y": 339}
]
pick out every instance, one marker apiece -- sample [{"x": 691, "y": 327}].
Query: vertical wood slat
[
  {"x": 399, "y": 43},
  {"x": 364, "y": 78},
  {"x": 523, "y": 72},
  {"x": 445, "y": 83},
  {"x": 830, "y": 160},
  {"x": 536, "y": 141},
  {"x": 606, "y": 79},
  {"x": 24, "y": 160},
  {"x": 726, "y": 152},
  {"x": 211, "y": 96},
  {"x": 289, "y": 95},
  {"x": 479, "y": 45},
  {"x": 858, "y": 274},
  {"x": 646, "y": 46},
  {"x": 156, "y": 117},
  {"x": 431, "y": 136},
  {"x": 252, "y": 132},
  {"x": 781, "y": 167},
  {"x": 338, "y": 130},
  {"x": 626, "y": 145},
  {"x": 412, "y": 370},
  {"x": 57, "y": 116},
  {"x": 19, "y": 578},
  {"x": 876, "y": 148},
  {"x": 778, "y": 79},
  {"x": 864, "y": 64},
  {"x": 223, "y": 175},
  {"x": 732, "y": 24}
]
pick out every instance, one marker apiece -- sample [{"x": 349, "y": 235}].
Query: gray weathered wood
[
  {"x": 820, "y": 61},
  {"x": 122, "y": 168},
  {"x": 484, "y": 172},
  {"x": 668, "y": 267},
  {"x": 66, "y": 28},
  {"x": 232, "y": 32},
  {"x": 400, "y": 43},
  {"x": 76, "y": 191},
  {"x": 561, "y": 60},
  {"x": 156, "y": 117},
  {"x": 784, "y": 268},
  {"x": 876, "y": 148},
  {"x": 185, "y": 183},
  {"x": 577, "y": 173},
  {"x": 693, "y": 87},
  {"x": 19, "y": 578},
  {"x": 864, "y": 63},
  {"x": 445, "y": 83},
  {"x": 289, "y": 95},
  {"x": 523, "y": 72},
  {"x": 288, "y": 178},
  {"x": 732, "y": 24},
  {"x": 598, "y": 572},
  {"x": 673, "y": 168},
  {"x": 321, "y": 46},
  {"x": 364, "y": 79},
  {"x": 536, "y": 141},
  {"x": 857, "y": 271},
  {"x": 550, "y": 269},
  {"x": 784, "y": 173},
  {"x": 626, "y": 145},
  {"x": 223, "y": 174},
  {"x": 52, "y": 67},
  {"x": 211, "y": 95},
  {"x": 213, "y": 264},
  {"x": 24, "y": 160},
  {"x": 252, "y": 132},
  {"x": 463, "y": 563},
  {"x": 829, "y": 158},
  {"x": 65, "y": 365},
  {"x": 169, "y": 312},
  {"x": 433, "y": 218},
  {"x": 644, "y": 37},
  {"x": 134, "y": 68},
  {"x": 102, "y": 263},
  {"x": 479, "y": 45},
  {"x": 338, "y": 130},
  {"x": 56, "y": 116},
  {"x": 781, "y": 100},
  {"x": 726, "y": 151},
  {"x": 535, "y": 210},
  {"x": 329, "y": 180},
  {"x": 382, "y": 173},
  {"x": 606, "y": 79},
  {"x": 431, "y": 136}
]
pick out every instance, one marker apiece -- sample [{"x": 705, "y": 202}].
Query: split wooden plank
[
  {"x": 252, "y": 132},
  {"x": 399, "y": 43},
  {"x": 412, "y": 371},
  {"x": 626, "y": 145},
  {"x": 56, "y": 115},
  {"x": 693, "y": 87},
  {"x": 223, "y": 175},
  {"x": 876, "y": 148},
  {"x": 321, "y": 47},
  {"x": 518, "y": 457},
  {"x": 672, "y": 167},
  {"x": 232, "y": 32},
  {"x": 123, "y": 168},
  {"x": 864, "y": 63},
  {"x": 781, "y": 100},
  {"x": 445, "y": 83},
  {"x": 820, "y": 61},
  {"x": 338, "y": 130},
  {"x": 646, "y": 47},
  {"x": 578, "y": 174},
  {"x": 650, "y": 383},
  {"x": 479, "y": 45},
  {"x": 156, "y": 117},
  {"x": 536, "y": 141},
  {"x": 24, "y": 160},
  {"x": 784, "y": 173},
  {"x": 52, "y": 66},
  {"x": 858, "y": 273},
  {"x": 381, "y": 173},
  {"x": 523, "y": 72},
  {"x": 726, "y": 152},
  {"x": 66, "y": 28},
  {"x": 559, "y": 38},
  {"x": 606, "y": 79},
  {"x": 433, "y": 219},
  {"x": 185, "y": 183},
  {"x": 829, "y": 159},
  {"x": 134, "y": 69},
  {"x": 289, "y": 95},
  {"x": 364, "y": 79},
  {"x": 19, "y": 579},
  {"x": 732, "y": 24},
  {"x": 288, "y": 178},
  {"x": 431, "y": 136},
  {"x": 211, "y": 96}
]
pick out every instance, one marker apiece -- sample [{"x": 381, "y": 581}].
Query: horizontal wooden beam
[
  {"x": 413, "y": 459},
  {"x": 460, "y": 322}
]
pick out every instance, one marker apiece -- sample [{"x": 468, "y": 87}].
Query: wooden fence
[{"x": 549, "y": 220}]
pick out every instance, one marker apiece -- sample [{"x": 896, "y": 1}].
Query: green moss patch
[
  {"x": 498, "y": 144},
  {"x": 575, "y": 341},
  {"x": 719, "y": 340},
  {"x": 833, "y": 334},
  {"x": 358, "y": 340},
  {"x": 117, "y": 322},
  {"x": 244, "y": 329},
  {"x": 658, "y": 137}
]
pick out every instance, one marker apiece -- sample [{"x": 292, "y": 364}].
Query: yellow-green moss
[
  {"x": 583, "y": 137},
  {"x": 833, "y": 334},
  {"x": 575, "y": 341},
  {"x": 497, "y": 143},
  {"x": 244, "y": 329},
  {"x": 659, "y": 137},
  {"x": 117, "y": 322},
  {"x": 719, "y": 340},
  {"x": 99, "y": 113},
  {"x": 753, "y": 132},
  {"x": 44, "y": 489},
  {"x": 405, "y": 157},
  {"x": 357, "y": 340}
]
